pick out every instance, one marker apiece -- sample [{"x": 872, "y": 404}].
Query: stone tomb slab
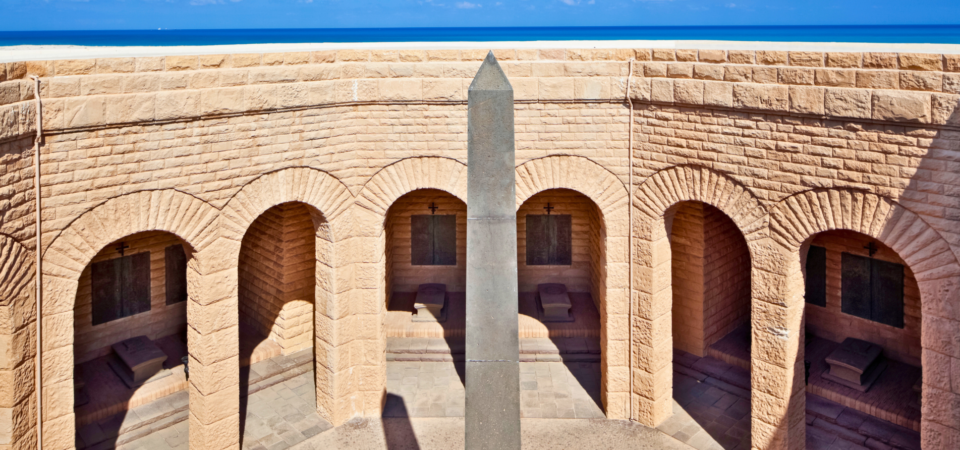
[
  {"x": 431, "y": 303},
  {"x": 138, "y": 361},
  {"x": 856, "y": 364},
  {"x": 554, "y": 303}
]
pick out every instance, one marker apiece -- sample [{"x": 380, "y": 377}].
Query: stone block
[
  {"x": 654, "y": 70},
  {"x": 130, "y": 108},
  {"x": 771, "y": 57},
  {"x": 951, "y": 63},
  {"x": 116, "y": 65},
  {"x": 790, "y": 75},
  {"x": 214, "y": 347},
  {"x": 245, "y": 59},
  {"x": 921, "y": 61},
  {"x": 664, "y": 54},
  {"x": 879, "y": 60},
  {"x": 806, "y": 100},
  {"x": 688, "y": 92},
  {"x": 836, "y": 77},
  {"x": 84, "y": 112},
  {"x": 400, "y": 90},
  {"x": 713, "y": 56},
  {"x": 921, "y": 81},
  {"x": 853, "y": 103},
  {"x": 901, "y": 106},
  {"x": 661, "y": 90},
  {"x": 806, "y": 59},
  {"x": 595, "y": 88},
  {"x": 224, "y": 434},
  {"x": 221, "y": 101},
  {"x": 738, "y": 73},
  {"x": 74, "y": 67},
  {"x": 755, "y": 96},
  {"x": 846, "y": 60},
  {"x": 556, "y": 88},
  {"x": 946, "y": 109},
  {"x": 708, "y": 72},
  {"x": 766, "y": 75},
  {"x": 680, "y": 70},
  {"x": 213, "y": 61},
  {"x": 186, "y": 62}
]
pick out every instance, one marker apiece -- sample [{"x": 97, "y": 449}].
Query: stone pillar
[
  {"x": 213, "y": 342},
  {"x": 18, "y": 349},
  {"x": 492, "y": 342},
  {"x": 778, "y": 391}
]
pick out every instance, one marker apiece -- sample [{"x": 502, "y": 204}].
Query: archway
[
  {"x": 130, "y": 339},
  {"x": 282, "y": 255},
  {"x": 657, "y": 201},
  {"x": 798, "y": 221},
  {"x": 561, "y": 241},
  {"x": 710, "y": 280}
]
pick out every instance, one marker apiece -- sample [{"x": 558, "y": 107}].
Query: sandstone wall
[
  {"x": 687, "y": 246},
  {"x": 278, "y": 277},
  {"x": 405, "y": 277},
  {"x": 726, "y": 276},
  {"x": 899, "y": 344},
  {"x": 161, "y": 320},
  {"x": 579, "y": 275},
  {"x": 17, "y": 345},
  {"x": 786, "y": 144}
]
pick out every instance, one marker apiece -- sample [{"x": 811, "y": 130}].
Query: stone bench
[
  {"x": 856, "y": 364},
  {"x": 554, "y": 302},
  {"x": 430, "y": 303},
  {"x": 138, "y": 361}
]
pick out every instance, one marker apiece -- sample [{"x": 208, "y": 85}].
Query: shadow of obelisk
[{"x": 492, "y": 345}]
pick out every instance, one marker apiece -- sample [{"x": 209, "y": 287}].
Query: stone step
[
  {"x": 173, "y": 409},
  {"x": 857, "y": 427},
  {"x": 531, "y": 349}
]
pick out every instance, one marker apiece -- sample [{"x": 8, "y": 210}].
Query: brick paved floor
[
  {"x": 277, "y": 417},
  {"x": 547, "y": 390},
  {"x": 712, "y": 411}
]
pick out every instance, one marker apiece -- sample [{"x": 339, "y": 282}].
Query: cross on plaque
[
  {"x": 872, "y": 248},
  {"x": 548, "y": 208},
  {"x": 123, "y": 246},
  {"x": 433, "y": 208}
]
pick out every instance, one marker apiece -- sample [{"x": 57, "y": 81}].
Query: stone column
[
  {"x": 492, "y": 343},
  {"x": 213, "y": 342}
]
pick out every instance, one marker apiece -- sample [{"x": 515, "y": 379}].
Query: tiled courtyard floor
[
  {"x": 709, "y": 413},
  {"x": 712, "y": 411},
  {"x": 547, "y": 390}
]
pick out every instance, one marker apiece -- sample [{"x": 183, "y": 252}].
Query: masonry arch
[
  {"x": 796, "y": 220},
  {"x": 608, "y": 279},
  {"x": 324, "y": 200},
  {"x": 191, "y": 220},
  {"x": 17, "y": 301},
  {"x": 656, "y": 201},
  {"x": 410, "y": 174}
]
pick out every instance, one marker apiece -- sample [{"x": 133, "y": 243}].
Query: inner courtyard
[{"x": 724, "y": 248}]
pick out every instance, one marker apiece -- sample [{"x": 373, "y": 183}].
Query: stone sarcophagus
[
  {"x": 138, "y": 360},
  {"x": 554, "y": 302},
  {"x": 430, "y": 303},
  {"x": 856, "y": 364}
]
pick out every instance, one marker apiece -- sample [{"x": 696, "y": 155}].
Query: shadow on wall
[{"x": 277, "y": 290}]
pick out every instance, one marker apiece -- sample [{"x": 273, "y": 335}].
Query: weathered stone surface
[{"x": 492, "y": 343}]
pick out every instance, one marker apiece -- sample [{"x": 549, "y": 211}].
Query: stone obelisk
[{"x": 492, "y": 344}]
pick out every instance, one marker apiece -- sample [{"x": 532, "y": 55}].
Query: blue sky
[{"x": 200, "y": 14}]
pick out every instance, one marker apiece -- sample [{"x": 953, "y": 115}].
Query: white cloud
[
  {"x": 468, "y": 5},
  {"x": 571, "y": 2}
]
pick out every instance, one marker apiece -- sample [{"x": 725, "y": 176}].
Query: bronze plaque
[
  {"x": 120, "y": 287},
  {"x": 816, "y": 281},
  {"x": 872, "y": 289},
  {"x": 549, "y": 240},
  {"x": 433, "y": 240},
  {"x": 175, "y": 274}
]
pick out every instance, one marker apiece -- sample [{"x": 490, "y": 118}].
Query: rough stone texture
[
  {"x": 492, "y": 353},
  {"x": 277, "y": 268},
  {"x": 328, "y": 130}
]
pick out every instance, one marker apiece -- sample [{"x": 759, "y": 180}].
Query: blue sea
[{"x": 916, "y": 34}]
